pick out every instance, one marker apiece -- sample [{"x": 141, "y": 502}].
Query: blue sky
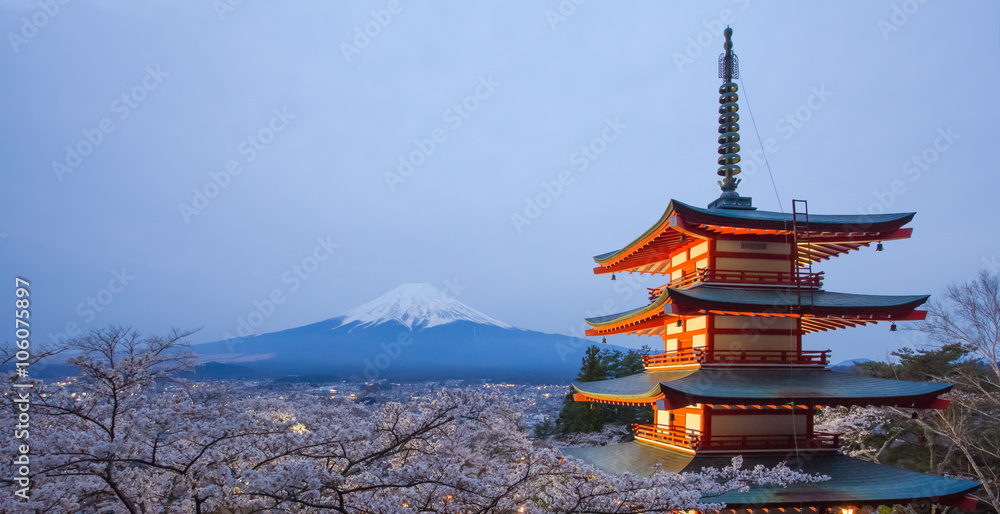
[{"x": 185, "y": 164}]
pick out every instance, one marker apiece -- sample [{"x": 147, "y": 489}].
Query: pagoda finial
[{"x": 729, "y": 69}]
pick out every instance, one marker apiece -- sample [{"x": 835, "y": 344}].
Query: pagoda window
[
  {"x": 755, "y": 333},
  {"x": 780, "y": 423},
  {"x": 751, "y": 325},
  {"x": 697, "y": 323},
  {"x": 753, "y": 247},
  {"x": 745, "y": 264},
  {"x": 756, "y": 342},
  {"x": 700, "y": 249},
  {"x": 663, "y": 418},
  {"x": 692, "y": 421}
]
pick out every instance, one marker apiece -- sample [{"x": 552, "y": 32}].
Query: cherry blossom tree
[
  {"x": 859, "y": 428},
  {"x": 130, "y": 437}
]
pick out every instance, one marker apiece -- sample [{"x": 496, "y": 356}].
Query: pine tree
[
  {"x": 602, "y": 365},
  {"x": 594, "y": 366},
  {"x": 584, "y": 416}
]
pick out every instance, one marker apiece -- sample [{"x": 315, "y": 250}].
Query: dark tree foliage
[
  {"x": 905, "y": 444},
  {"x": 545, "y": 429},
  {"x": 598, "y": 365},
  {"x": 921, "y": 365}
]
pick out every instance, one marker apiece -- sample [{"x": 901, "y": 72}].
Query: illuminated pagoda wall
[{"x": 734, "y": 377}]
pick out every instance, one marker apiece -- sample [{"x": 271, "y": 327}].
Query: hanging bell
[
  {"x": 914, "y": 415},
  {"x": 892, "y": 327},
  {"x": 684, "y": 238},
  {"x": 604, "y": 340},
  {"x": 878, "y": 247},
  {"x": 612, "y": 276}
]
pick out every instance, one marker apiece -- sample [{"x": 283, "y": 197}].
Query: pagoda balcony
[
  {"x": 706, "y": 357},
  {"x": 742, "y": 277},
  {"x": 696, "y": 440}
]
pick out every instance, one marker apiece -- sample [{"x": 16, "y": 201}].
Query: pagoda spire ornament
[{"x": 729, "y": 137}]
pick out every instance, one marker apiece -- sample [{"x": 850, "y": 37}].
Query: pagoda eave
[
  {"x": 828, "y": 310},
  {"x": 704, "y": 298},
  {"x": 768, "y": 220},
  {"x": 649, "y": 327},
  {"x": 829, "y": 235},
  {"x": 764, "y": 387},
  {"x": 580, "y": 397}
]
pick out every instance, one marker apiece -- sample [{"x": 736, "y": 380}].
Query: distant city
[{"x": 540, "y": 401}]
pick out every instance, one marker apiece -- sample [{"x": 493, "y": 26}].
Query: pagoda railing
[
  {"x": 676, "y": 436},
  {"x": 741, "y": 277},
  {"x": 696, "y": 440},
  {"x": 705, "y": 356}
]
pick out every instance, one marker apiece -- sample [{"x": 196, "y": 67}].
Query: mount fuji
[
  {"x": 416, "y": 306},
  {"x": 414, "y": 332}
]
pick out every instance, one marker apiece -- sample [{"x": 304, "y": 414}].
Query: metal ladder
[{"x": 802, "y": 272}]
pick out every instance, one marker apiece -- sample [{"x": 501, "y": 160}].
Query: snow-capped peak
[{"x": 419, "y": 305}]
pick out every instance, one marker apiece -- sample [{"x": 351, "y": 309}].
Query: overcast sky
[{"x": 180, "y": 163}]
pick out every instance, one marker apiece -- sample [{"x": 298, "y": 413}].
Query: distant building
[{"x": 733, "y": 378}]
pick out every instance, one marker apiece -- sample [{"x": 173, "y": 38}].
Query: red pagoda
[{"x": 733, "y": 378}]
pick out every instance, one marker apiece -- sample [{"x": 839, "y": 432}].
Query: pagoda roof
[
  {"x": 775, "y": 300},
  {"x": 762, "y": 387},
  {"x": 829, "y": 235},
  {"x": 745, "y": 218},
  {"x": 826, "y": 310},
  {"x": 852, "y": 481}
]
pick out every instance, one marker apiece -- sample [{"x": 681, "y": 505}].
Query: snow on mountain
[{"x": 419, "y": 305}]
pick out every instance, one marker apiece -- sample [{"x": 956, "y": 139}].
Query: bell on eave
[
  {"x": 878, "y": 247},
  {"x": 892, "y": 327},
  {"x": 604, "y": 340},
  {"x": 914, "y": 415},
  {"x": 612, "y": 276},
  {"x": 684, "y": 238}
]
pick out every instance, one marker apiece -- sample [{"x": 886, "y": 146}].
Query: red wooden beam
[{"x": 965, "y": 502}]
